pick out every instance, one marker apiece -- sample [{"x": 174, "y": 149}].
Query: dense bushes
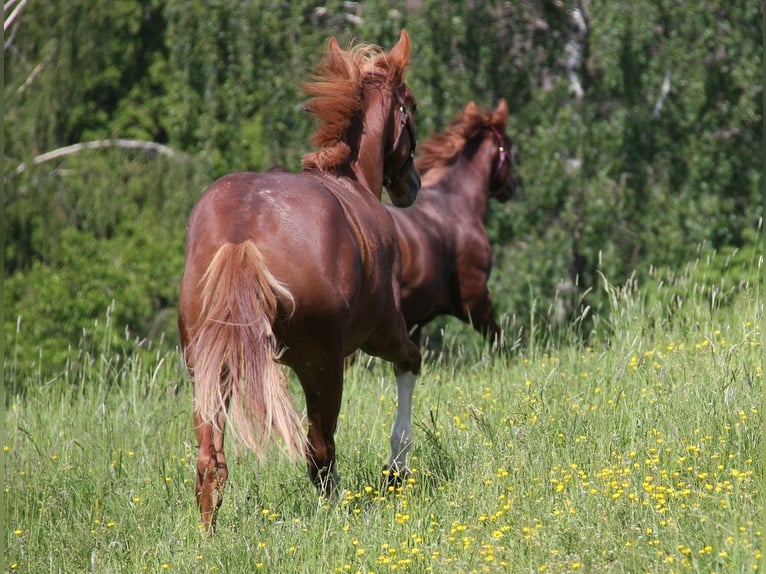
[{"x": 639, "y": 125}]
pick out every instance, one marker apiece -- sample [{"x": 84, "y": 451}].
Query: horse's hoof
[
  {"x": 394, "y": 477},
  {"x": 326, "y": 483}
]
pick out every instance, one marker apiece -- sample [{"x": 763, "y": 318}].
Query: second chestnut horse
[{"x": 446, "y": 254}]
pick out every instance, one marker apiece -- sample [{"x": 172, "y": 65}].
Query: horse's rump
[{"x": 233, "y": 351}]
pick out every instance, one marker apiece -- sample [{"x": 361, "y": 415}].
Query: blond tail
[{"x": 234, "y": 352}]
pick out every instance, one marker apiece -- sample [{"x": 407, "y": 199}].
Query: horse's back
[
  {"x": 297, "y": 225},
  {"x": 249, "y": 205},
  {"x": 326, "y": 242}
]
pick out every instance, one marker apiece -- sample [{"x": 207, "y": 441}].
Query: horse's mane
[
  {"x": 442, "y": 148},
  {"x": 337, "y": 90}
]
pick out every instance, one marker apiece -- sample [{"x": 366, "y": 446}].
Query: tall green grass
[{"x": 639, "y": 453}]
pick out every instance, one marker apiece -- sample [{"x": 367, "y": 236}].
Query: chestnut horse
[
  {"x": 446, "y": 254},
  {"x": 301, "y": 268}
]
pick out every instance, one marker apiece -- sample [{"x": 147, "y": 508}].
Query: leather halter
[
  {"x": 503, "y": 157},
  {"x": 404, "y": 121}
]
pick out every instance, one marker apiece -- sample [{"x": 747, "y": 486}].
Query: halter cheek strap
[
  {"x": 503, "y": 157},
  {"x": 404, "y": 122}
]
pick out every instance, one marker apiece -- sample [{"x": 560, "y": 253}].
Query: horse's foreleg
[
  {"x": 212, "y": 471},
  {"x": 403, "y": 351},
  {"x": 493, "y": 333},
  {"x": 401, "y": 433},
  {"x": 482, "y": 316}
]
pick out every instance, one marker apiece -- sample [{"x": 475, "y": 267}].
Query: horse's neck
[
  {"x": 470, "y": 178},
  {"x": 367, "y": 165},
  {"x": 369, "y": 174}
]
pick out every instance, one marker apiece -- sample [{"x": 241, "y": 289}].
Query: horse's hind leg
[
  {"x": 323, "y": 387},
  {"x": 212, "y": 471}
]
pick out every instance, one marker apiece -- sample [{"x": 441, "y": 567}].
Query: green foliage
[
  {"x": 714, "y": 278},
  {"x": 92, "y": 55},
  {"x": 632, "y": 177},
  {"x": 110, "y": 237},
  {"x": 658, "y": 159},
  {"x": 54, "y": 305}
]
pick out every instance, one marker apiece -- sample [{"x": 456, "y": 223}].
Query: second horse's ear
[
  {"x": 500, "y": 114},
  {"x": 400, "y": 54}
]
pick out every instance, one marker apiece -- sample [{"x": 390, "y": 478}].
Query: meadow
[{"x": 639, "y": 452}]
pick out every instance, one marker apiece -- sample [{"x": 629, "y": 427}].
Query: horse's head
[
  {"x": 400, "y": 177},
  {"x": 506, "y": 180},
  {"x": 366, "y": 110}
]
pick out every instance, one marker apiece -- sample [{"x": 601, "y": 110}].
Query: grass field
[{"x": 641, "y": 453}]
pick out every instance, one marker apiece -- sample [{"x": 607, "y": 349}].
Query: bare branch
[
  {"x": 16, "y": 11},
  {"x": 96, "y": 144},
  {"x": 30, "y": 78},
  {"x": 8, "y": 4},
  {"x": 9, "y": 42}
]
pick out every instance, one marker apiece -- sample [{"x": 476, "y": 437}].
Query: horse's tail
[{"x": 233, "y": 352}]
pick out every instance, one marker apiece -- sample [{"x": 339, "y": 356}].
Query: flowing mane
[
  {"x": 337, "y": 90},
  {"x": 442, "y": 148}
]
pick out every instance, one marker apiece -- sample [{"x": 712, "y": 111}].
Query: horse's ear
[
  {"x": 333, "y": 46},
  {"x": 501, "y": 112},
  {"x": 400, "y": 54},
  {"x": 471, "y": 109}
]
